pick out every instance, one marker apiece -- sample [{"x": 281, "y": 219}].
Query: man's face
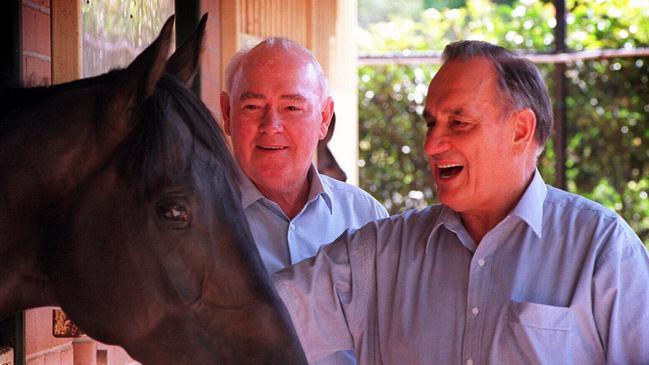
[
  {"x": 470, "y": 138},
  {"x": 276, "y": 117}
]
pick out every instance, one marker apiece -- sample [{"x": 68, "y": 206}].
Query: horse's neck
[
  {"x": 27, "y": 161},
  {"x": 226, "y": 338}
]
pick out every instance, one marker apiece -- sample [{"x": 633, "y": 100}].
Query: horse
[{"x": 118, "y": 203}]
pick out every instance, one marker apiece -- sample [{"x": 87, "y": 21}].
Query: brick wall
[{"x": 36, "y": 46}]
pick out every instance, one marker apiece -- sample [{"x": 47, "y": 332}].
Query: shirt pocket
[{"x": 536, "y": 334}]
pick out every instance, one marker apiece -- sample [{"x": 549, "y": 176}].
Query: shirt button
[
  {"x": 292, "y": 227},
  {"x": 481, "y": 262},
  {"x": 475, "y": 311},
  {"x": 469, "y": 362}
]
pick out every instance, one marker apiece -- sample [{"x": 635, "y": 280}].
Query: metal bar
[
  {"x": 187, "y": 15},
  {"x": 10, "y": 19},
  {"x": 19, "y": 349},
  {"x": 434, "y": 58},
  {"x": 560, "y": 135}
]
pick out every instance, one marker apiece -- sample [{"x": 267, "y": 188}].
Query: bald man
[{"x": 276, "y": 107}]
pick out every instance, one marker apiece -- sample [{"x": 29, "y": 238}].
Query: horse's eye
[{"x": 175, "y": 213}]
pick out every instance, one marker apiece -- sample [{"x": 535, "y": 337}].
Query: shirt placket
[
  {"x": 293, "y": 250},
  {"x": 478, "y": 288}
]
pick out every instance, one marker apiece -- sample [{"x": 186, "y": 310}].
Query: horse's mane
[
  {"x": 154, "y": 153},
  {"x": 15, "y": 98}
]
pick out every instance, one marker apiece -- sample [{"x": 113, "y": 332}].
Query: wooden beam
[
  {"x": 66, "y": 40},
  {"x": 230, "y": 29}
]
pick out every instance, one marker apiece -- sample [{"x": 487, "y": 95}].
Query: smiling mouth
[
  {"x": 449, "y": 171},
  {"x": 272, "y": 148}
]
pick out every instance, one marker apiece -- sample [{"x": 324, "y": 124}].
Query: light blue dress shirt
[
  {"x": 332, "y": 206},
  {"x": 561, "y": 280}
]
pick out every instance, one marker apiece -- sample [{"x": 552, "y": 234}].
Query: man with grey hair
[
  {"x": 505, "y": 270},
  {"x": 276, "y": 107}
]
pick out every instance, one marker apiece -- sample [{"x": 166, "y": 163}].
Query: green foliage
[
  {"x": 393, "y": 167},
  {"x": 607, "y": 104}
]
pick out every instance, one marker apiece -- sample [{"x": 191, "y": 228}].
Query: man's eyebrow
[
  {"x": 249, "y": 95},
  {"x": 294, "y": 97},
  {"x": 428, "y": 116}
]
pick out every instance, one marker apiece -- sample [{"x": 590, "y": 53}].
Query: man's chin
[{"x": 450, "y": 199}]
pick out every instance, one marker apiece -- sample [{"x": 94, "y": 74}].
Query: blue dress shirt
[
  {"x": 332, "y": 206},
  {"x": 560, "y": 280}
]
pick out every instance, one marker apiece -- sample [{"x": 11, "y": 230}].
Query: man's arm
[
  {"x": 621, "y": 301},
  {"x": 318, "y": 295}
]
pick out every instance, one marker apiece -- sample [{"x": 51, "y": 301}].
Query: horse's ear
[
  {"x": 185, "y": 61},
  {"x": 143, "y": 74}
]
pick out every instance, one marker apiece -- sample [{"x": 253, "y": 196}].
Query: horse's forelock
[{"x": 152, "y": 153}]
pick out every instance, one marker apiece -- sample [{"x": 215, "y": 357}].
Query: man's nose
[
  {"x": 271, "y": 122},
  {"x": 437, "y": 142}
]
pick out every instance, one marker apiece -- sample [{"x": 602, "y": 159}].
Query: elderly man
[
  {"x": 276, "y": 108},
  {"x": 505, "y": 270}
]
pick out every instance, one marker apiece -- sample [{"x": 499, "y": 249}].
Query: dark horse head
[{"x": 117, "y": 204}]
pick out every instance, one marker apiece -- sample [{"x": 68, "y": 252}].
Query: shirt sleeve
[
  {"x": 621, "y": 300},
  {"x": 318, "y": 295},
  {"x": 380, "y": 211}
]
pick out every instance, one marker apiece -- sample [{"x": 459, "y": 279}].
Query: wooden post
[
  {"x": 84, "y": 351},
  {"x": 231, "y": 26},
  {"x": 339, "y": 51}
]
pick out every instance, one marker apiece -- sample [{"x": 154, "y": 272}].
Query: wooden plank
[
  {"x": 230, "y": 28},
  {"x": 310, "y": 25},
  {"x": 66, "y": 40}
]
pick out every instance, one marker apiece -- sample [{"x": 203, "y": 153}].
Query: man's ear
[
  {"x": 524, "y": 126},
  {"x": 326, "y": 114},
  {"x": 225, "y": 111}
]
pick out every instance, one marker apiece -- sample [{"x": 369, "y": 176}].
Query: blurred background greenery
[{"x": 607, "y": 102}]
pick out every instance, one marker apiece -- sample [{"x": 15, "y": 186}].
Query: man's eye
[
  {"x": 293, "y": 108},
  {"x": 459, "y": 123},
  {"x": 251, "y": 107}
]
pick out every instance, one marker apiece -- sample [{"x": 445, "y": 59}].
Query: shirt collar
[
  {"x": 529, "y": 209},
  {"x": 318, "y": 187},
  {"x": 530, "y": 206},
  {"x": 250, "y": 193},
  {"x": 451, "y": 220}
]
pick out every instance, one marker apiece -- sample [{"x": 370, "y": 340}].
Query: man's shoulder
[
  {"x": 571, "y": 203},
  {"x": 408, "y": 223},
  {"x": 604, "y": 229},
  {"x": 340, "y": 189},
  {"x": 341, "y": 186}
]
